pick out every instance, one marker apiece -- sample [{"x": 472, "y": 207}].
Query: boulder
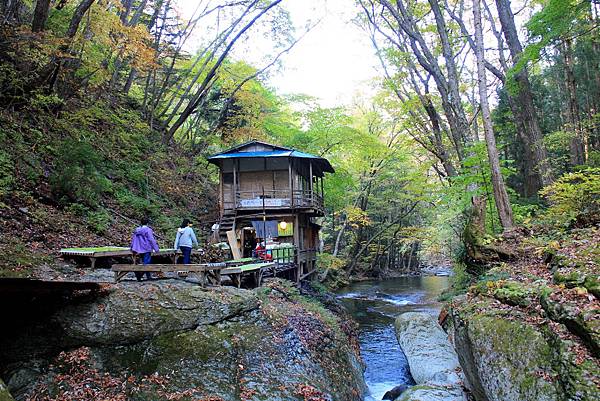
[
  {"x": 395, "y": 392},
  {"x": 424, "y": 392},
  {"x": 507, "y": 359},
  {"x": 137, "y": 311},
  {"x": 584, "y": 323},
  {"x": 431, "y": 358},
  {"x": 4, "y": 393},
  {"x": 174, "y": 340}
]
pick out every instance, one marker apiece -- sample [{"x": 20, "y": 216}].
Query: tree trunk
[
  {"x": 576, "y": 145},
  {"x": 201, "y": 92},
  {"x": 80, "y": 11},
  {"x": 500, "y": 195},
  {"x": 130, "y": 79},
  {"x": 526, "y": 113},
  {"x": 40, "y": 15},
  {"x": 452, "y": 74}
]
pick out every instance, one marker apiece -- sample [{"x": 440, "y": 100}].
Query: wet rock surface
[
  {"x": 433, "y": 362},
  {"x": 173, "y": 339}
]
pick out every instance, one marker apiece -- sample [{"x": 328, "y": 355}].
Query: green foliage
[
  {"x": 574, "y": 199},
  {"x": 77, "y": 175},
  {"x": 137, "y": 205},
  {"x": 523, "y": 213},
  {"x": 331, "y": 270},
  {"x": 594, "y": 158},
  {"x": 557, "y": 145},
  {"x": 459, "y": 283},
  {"x": 99, "y": 221},
  {"x": 557, "y": 19},
  {"x": 6, "y": 173}
]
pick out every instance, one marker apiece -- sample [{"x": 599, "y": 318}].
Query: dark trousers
[
  {"x": 187, "y": 254},
  {"x": 146, "y": 259}
]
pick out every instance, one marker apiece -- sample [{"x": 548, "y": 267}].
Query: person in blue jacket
[{"x": 186, "y": 238}]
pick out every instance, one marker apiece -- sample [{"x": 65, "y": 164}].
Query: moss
[
  {"x": 512, "y": 293},
  {"x": 570, "y": 279},
  {"x": 4, "y": 394},
  {"x": 575, "y": 379},
  {"x": 17, "y": 259},
  {"x": 516, "y": 348},
  {"x": 592, "y": 284}
]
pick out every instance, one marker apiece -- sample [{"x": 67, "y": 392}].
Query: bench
[
  {"x": 202, "y": 271},
  {"x": 117, "y": 252}
]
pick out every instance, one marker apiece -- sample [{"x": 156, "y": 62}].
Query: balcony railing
[{"x": 275, "y": 199}]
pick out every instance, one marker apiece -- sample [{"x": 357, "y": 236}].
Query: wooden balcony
[{"x": 276, "y": 199}]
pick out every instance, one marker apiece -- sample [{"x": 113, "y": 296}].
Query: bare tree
[{"x": 500, "y": 195}]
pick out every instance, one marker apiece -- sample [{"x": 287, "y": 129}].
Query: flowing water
[{"x": 375, "y": 305}]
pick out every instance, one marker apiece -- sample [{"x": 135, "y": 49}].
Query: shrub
[
  {"x": 6, "y": 173},
  {"x": 136, "y": 205},
  {"x": 459, "y": 283},
  {"x": 99, "y": 221},
  {"x": 77, "y": 175},
  {"x": 574, "y": 199}
]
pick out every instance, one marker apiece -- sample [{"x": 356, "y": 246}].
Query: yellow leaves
[
  {"x": 104, "y": 37},
  {"x": 357, "y": 217}
]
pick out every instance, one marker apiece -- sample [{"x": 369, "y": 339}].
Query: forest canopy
[{"x": 483, "y": 113}]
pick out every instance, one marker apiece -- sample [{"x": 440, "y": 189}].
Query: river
[{"x": 374, "y": 305}]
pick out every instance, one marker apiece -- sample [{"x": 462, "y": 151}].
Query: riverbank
[{"x": 534, "y": 317}]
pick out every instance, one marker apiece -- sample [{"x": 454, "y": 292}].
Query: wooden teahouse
[{"x": 272, "y": 195}]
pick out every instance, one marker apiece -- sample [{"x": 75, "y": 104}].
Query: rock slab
[
  {"x": 173, "y": 340},
  {"x": 507, "y": 359},
  {"x": 432, "y": 360}
]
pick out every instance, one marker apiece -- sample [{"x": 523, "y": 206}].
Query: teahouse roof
[{"x": 254, "y": 149}]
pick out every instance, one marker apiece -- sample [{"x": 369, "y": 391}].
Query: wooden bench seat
[
  {"x": 202, "y": 271},
  {"x": 205, "y": 271}
]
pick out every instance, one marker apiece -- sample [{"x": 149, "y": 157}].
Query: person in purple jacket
[{"x": 143, "y": 244}]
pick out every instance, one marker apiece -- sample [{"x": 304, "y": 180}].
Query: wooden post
[
  {"x": 221, "y": 197},
  {"x": 297, "y": 245},
  {"x": 264, "y": 219},
  {"x": 310, "y": 182},
  {"x": 235, "y": 183},
  {"x": 291, "y": 182},
  {"x": 322, "y": 189}
]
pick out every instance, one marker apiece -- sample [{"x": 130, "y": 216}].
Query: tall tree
[
  {"x": 500, "y": 194},
  {"x": 576, "y": 145},
  {"x": 40, "y": 15},
  {"x": 526, "y": 110}
]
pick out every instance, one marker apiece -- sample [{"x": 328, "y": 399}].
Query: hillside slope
[{"x": 84, "y": 175}]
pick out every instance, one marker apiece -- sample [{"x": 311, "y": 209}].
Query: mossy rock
[
  {"x": 583, "y": 323},
  {"x": 592, "y": 284},
  {"x": 507, "y": 359},
  {"x": 504, "y": 360},
  {"x": 512, "y": 293},
  {"x": 4, "y": 393},
  {"x": 571, "y": 279},
  {"x": 222, "y": 342},
  {"x": 427, "y": 392},
  {"x": 576, "y": 379}
]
